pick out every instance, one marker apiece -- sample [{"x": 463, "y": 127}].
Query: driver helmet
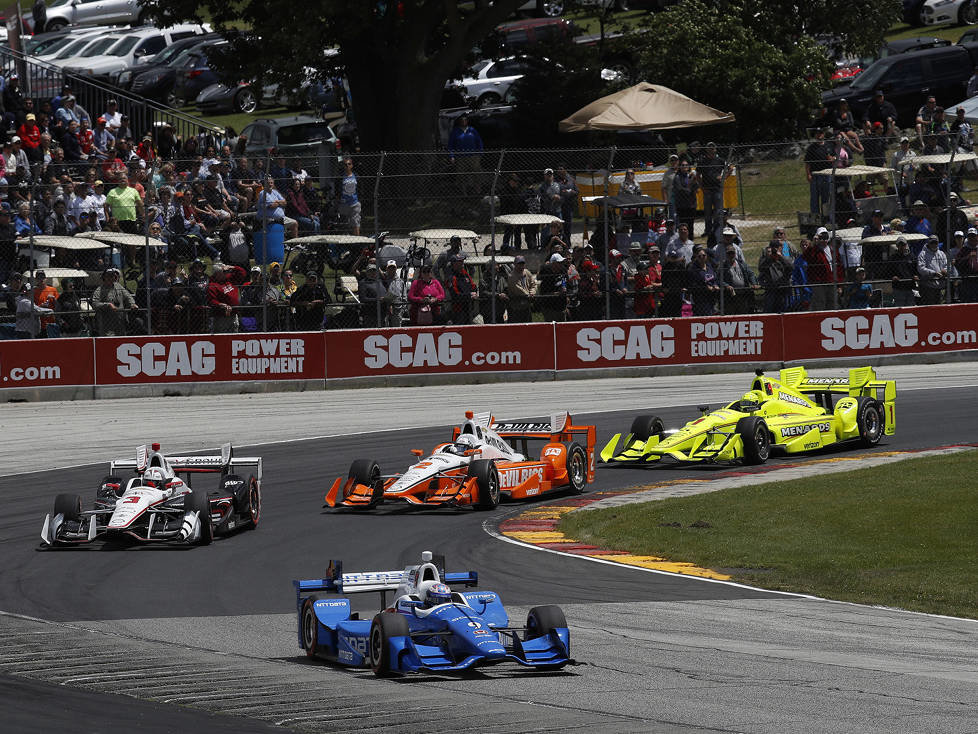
[
  {"x": 154, "y": 478},
  {"x": 467, "y": 441},
  {"x": 750, "y": 403},
  {"x": 437, "y": 594}
]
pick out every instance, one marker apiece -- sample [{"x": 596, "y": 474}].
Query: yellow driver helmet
[{"x": 751, "y": 402}]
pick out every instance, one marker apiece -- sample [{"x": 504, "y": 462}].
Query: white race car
[{"x": 157, "y": 504}]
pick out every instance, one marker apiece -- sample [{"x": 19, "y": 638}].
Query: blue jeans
[
  {"x": 712, "y": 203},
  {"x": 818, "y": 190}
]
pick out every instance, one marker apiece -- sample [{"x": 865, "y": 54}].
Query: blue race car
[{"x": 429, "y": 628}]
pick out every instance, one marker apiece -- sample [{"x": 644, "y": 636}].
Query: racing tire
[
  {"x": 487, "y": 480},
  {"x": 757, "y": 439},
  {"x": 367, "y": 472},
  {"x": 68, "y": 505},
  {"x": 254, "y": 501},
  {"x": 645, "y": 427},
  {"x": 869, "y": 420},
  {"x": 108, "y": 493},
  {"x": 385, "y": 626},
  {"x": 199, "y": 503},
  {"x": 310, "y": 625},
  {"x": 541, "y": 621},
  {"x": 576, "y": 468}
]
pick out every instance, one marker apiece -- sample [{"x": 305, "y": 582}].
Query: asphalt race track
[{"x": 204, "y": 631}]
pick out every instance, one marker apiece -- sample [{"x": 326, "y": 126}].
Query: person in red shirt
[
  {"x": 146, "y": 150},
  {"x": 30, "y": 138},
  {"x": 223, "y": 299},
  {"x": 85, "y": 137},
  {"x": 644, "y": 304}
]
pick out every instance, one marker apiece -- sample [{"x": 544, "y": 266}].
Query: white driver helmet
[
  {"x": 154, "y": 478},
  {"x": 467, "y": 439}
]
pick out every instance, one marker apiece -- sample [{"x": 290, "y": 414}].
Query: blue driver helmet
[
  {"x": 750, "y": 402},
  {"x": 438, "y": 594}
]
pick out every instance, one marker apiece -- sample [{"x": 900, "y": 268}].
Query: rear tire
[
  {"x": 254, "y": 501},
  {"x": 487, "y": 480},
  {"x": 385, "y": 626},
  {"x": 68, "y": 505},
  {"x": 869, "y": 420},
  {"x": 968, "y": 14},
  {"x": 576, "y": 468},
  {"x": 55, "y": 25},
  {"x": 198, "y": 502},
  {"x": 245, "y": 100},
  {"x": 367, "y": 472},
  {"x": 646, "y": 426},
  {"x": 550, "y": 8},
  {"x": 757, "y": 439}
]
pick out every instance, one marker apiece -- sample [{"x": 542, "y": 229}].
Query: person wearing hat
[
  {"x": 462, "y": 291},
  {"x": 902, "y": 161},
  {"x": 966, "y": 264},
  {"x": 309, "y": 303},
  {"x": 819, "y": 156},
  {"x": 396, "y": 298},
  {"x": 668, "y": 177},
  {"x": 646, "y": 284},
  {"x": 102, "y": 140},
  {"x": 859, "y": 293},
  {"x": 932, "y": 271},
  {"x": 443, "y": 263},
  {"x": 739, "y": 283},
  {"x": 630, "y": 262},
  {"x": 882, "y": 111},
  {"x": 111, "y": 302},
  {"x": 823, "y": 272},
  {"x": 371, "y": 292},
  {"x": 552, "y": 288},
  {"x": 30, "y": 138},
  {"x": 872, "y": 252},
  {"x": 954, "y": 215},
  {"x": 425, "y": 296},
  {"x": 901, "y": 269},
  {"x": 729, "y": 238},
  {"x": 521, "y": 287},
  {"x": 28, "y": 314},
  {"x": 874, "y": 145},
  {"x": 919, "y": 220},
  {"x": 549, "y": 193},
  {"x": 963, "y": 134},
  {"x": 13, "y": 100},
  {"x": 667, "y": 238},
  {"x": 198, "y": 275},
  {"x": 223, "y": 299}
]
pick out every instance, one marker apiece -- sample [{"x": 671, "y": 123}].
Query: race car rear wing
[
  {"x": 861, "y": 381},
  {"x": 190, "y": 464}
]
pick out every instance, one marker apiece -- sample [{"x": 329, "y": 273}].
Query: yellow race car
[{"x": 795, "y": 412}]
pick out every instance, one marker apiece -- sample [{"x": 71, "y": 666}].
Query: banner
[
  {"x": 650, "y": 342},
  {"x": 865, "y": 332},
  {"x": 46, "y": 362},
  {"x": 209, "y": 358},
  {"x": 447, "y": 349}
]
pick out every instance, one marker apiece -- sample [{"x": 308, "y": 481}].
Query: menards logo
[
  {"x": 789, "y": 398},
  {"x": 803, "y": 429},
  {"x": 513, "y": 477}
]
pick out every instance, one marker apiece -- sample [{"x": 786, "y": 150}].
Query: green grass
[{"x": 901, "y": 535}]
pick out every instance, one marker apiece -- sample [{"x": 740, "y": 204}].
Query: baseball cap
[
  {"x": 860, "y": 269},
  {"x": 877, "y": 212},
  {"x": 31, "y": 116},
  {"x": 458, "y": 257},
  {"x": 557, "y": 258},
  {"x": 391, "y": 262},
  {"x": 313, "y": 274},
  {"x": 548, "y": 170},
  {"x": 821, "y": 231},
  {"x": 274, "y": 265},
  {"x": 519, "y": 259},
  {"x": 904, "y": 139},
  {"x": 455, "y": 238},
  {"x": 877, "y": 125},
  {"x": 15, "y": 139},
  {"x": 730, "y": 231},
  {"x": 918, "y": 203},
  {"x": 932, "y": 238},
  {"x": 615, "y": 253},
  {"x": 654, "y": 248},
  {"x": 958, "y": 233},
  {"x": 972, "y": 230},
  {"x": 635, "y": 246},
  {"x": 256, "y": 268},
  {"x": 901, "y": 240},
  {"x": 101, "y": 119}
]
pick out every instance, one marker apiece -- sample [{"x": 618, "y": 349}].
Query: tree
[
  {"x": 396, "y": 54},
  {"x": 760, "y": 60}
]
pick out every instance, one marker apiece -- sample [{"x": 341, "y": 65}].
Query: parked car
[
  {"x": 518, "y": 35},
  {"x": 219, "y": 99},
  {"x": 489, "y": 80},
  {"x": 945, "y": 12},
  {"x": 139, "y": 47},
  {"x": 848, "y": 68},
  {"x": 62, "y": 13},
  {"x": 195, "y": 75},
  {"x": 300, "y": 135},
  {"x": 98, "y": 45},
  {"x": 907, "y": 80},
  {"x": 154, "y": 79},
  {"x": 969, "y": 36},
  {"x": 54, "y": 44}
]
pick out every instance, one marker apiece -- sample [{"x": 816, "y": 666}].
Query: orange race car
[{"x": 483, "y": 461}]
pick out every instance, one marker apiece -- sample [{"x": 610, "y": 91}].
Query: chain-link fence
[{"x": 314, "y": 241}]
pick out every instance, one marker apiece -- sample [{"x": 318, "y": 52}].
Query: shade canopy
[
  {"x": 643, "y": 107},
  {"x": 64, "y": 243},
  {"x": 124, "y": 238},
  {"x": 627, "y": 201}
]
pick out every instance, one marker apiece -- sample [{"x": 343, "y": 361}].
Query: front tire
[
  {"x": 869, "y": 420},
  {"x": 487, "y": 481},
  {"x": 198, "y": 502},
  {"x": 576, "y": 468},
  {"x": 367, "y": 472},
  {"x": 245, "y": 100},
  {"x": 541, "y": 621},
  {"x": 550, "y": 8},
  {"x": 968, "y": 14},
  {"x": 489, "y": 98},
  {"x": 55, "y": 25},
  {"x": 310, "y": 626},
  {"x": 385, "y": 626},
  {"x": 646, "y": 426},
  {"x": 68, "y": 505},
  {"x": 757, "y": 439}
]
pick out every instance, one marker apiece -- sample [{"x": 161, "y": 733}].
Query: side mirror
[
  {"x": 417, "y": 452},
  {"x": 703, "y": 408},
  {"x": 226, "y": 455}
]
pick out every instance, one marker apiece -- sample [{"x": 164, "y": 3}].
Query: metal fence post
[
  {"x": 492, "y": 232},
  {"x": 607, "y": 236},
  {"x": 380, "y": 172}
]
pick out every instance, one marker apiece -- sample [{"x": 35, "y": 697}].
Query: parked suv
[
  {"x": 295, "y": 137},
  {"x": 907, "y": 80},
  {"x": 155, "y": 79},
  {"x": 63, "y": 13}
]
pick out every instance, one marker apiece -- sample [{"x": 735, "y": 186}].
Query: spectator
[
  {"x": 819, "y": 156},
  {"x": 703, "y": 285},
  {"x": 443, "y": 263},
  {"x": 465, "y": 151},
  {"x": 966, "y": 263},
  {"x": 729, "y": 239},
  {"x": 568, "y": 199},
  {"x": 111, "y": 301},
  {"x": 125, "y": 206},
  {"x": 309, "y": 302},
  {"x": 775, "y": 277},
  {"x": 57, "y": 222},
  {"x": 873, "y": 252},
  {"x": 297, "y": 208},
  {"x": 901, "y": 268},
  {"x": 842, "y": 119},
  {"x": 821, "y": 274},
  {"x": 645, "y": 283},
  {"x": 69, "y": 310},
  {"x": 739, "y": 283},
  {"x": 883, "y": 112},
  {"x": 288, "y": 285},
  {"x": 8, "y": 245},
  {"x": 932, "y": 271},
  {"x": 553, "y": 241},
  {"x": 919, "y": 221},
  {"x": 845, "y": 147},
  {"x": 67, "y": 113},
  {"x": 198, "y": 277},
  {"x": 549, "y": 192},
  {"x": 22, "y": 221},
  {"x": 684, "y": 186},
  {"x": 348, "y": 199},
  {"x": 902, "y": 161},
  {"x": 711, "y": 172},
  {"x": 668, "y": 177},
  {"x": 30, "y": 138},
  {"x": 238, "y": 250},
  {"x": 874, "y": 146},
  {"x": 512, "y": 201},
  {"x": 46, "y": 295},
  {"x": 859, "y": 292},
  {"x": 462, "y": 291},
  {"x": 552, "y": 288},
  {"x": 669, "y": 238},
  {"x": 963, "y": 134},
  {"x": 28, "y": 314},
  {"x": 925, "y": 116},
  {"x": 396, "y": 297},
  {"x": 521, "y": 290},
  {"x": 223, "y": 299},
  {"x": 371, "y": 291},
  {"x": 426, "y": 297},
  {"x": 13, "y": 101}
]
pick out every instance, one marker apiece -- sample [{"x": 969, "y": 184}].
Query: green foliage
[{"x": 900, "y": 534}]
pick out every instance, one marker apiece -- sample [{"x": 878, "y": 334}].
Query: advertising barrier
[
  {"x": 209, "y": 358},
  {"x": 440, "y": 350},
  {"x": 472, "y": 350},
  {"x": 46, "y": 363},
  {"x": 651, "y": 342},
  {"x": 822, "y": 335}
]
